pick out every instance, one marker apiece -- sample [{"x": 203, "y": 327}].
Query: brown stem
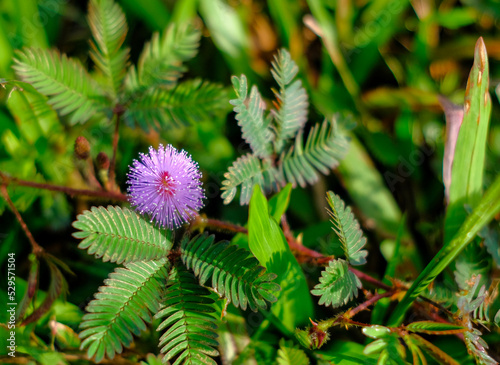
[
  {"x": 37, "y": 249},
  {"x": 64, "y": 189},
  {"x": 118, "y": 112},
  {"x": 368, "y": 303},
  {"x": 369, "y": 279},
  {"x": 218, "y": 225}
]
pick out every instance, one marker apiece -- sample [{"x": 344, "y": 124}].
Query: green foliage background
[{"x": 378, "y": 64}]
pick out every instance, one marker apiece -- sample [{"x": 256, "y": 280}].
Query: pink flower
[{"x": 165, "y": 185}]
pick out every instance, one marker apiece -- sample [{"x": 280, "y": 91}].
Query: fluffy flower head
[{"x": 165, "y": 184}]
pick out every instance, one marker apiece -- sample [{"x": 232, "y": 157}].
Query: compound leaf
[
  {"x": 337, "y": 285},
  {"x": 120, "y": 235},
  {"x": 235, "y": 273},
  {"x": 122, "y": 307},
  {"x": 67, "y": 84},
  {"x": 346, "y": 226},
  {"x": 250, "y": 116},
  {"x": 190, "y": 329}
]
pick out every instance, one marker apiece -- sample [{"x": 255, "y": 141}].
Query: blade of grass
[
  {"x": 481, "y": 216},
  {"x": 468, "y": 162}
]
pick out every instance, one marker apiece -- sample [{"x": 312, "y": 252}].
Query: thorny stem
[
  {"x": 37, "y": 249},
  {"x": 368, "y": 303},
  {"x": 6, "y": 180},
  {"x": 118, "y": 111}
]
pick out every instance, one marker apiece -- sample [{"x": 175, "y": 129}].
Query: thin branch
[
  {"x": 363, "y": 306},
  {"x": 369, "y": 279},
  {"x": 118, "y": 111},
  {"x": 37, "y": 249},
  {"x": 64, "y": 189}
]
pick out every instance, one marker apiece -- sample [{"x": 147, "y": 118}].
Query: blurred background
[{"x": 378, "y": 63}]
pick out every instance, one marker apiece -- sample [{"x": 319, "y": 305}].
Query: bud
[
  {"x": 102, "y": 161},
  {"x": 82, "y": 148}
]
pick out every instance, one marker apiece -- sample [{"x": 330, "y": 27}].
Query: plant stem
[
  {"x": 37, "y": 249},
  {"x": 362, "y": 276},
  {"x": 368, "y": 303},
  {"x": 64, "y": 189},
  {"x": 112, "y": 165}
]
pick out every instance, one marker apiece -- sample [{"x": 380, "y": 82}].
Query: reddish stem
[
  {"x": 368, "y": 303},
  {"x": 37, "y": 249},
  {"x": 362, "y": 276},
  {"x": 64, "y": 189}
]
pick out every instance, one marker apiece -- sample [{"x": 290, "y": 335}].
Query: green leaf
[
  {"x": 235, "y": 273},
  {"x": 69, "y": 87},
  {"x": 278, "y": 203},
  {"x": 346, "y": 226},
  {"x": 109, "y": 29},
  {"x": 160, "y": 63},
  {"x": 346, "y": 353},
  {"x": 474, "y": 260},
  {"x": 288, "y": 354},
  {"x": 292, "y": 98},
  {"x": 469, "y": 157},
  {"x": 247, "y": 171},
  {"x": 326, "y": 145},
  {"x": 337, "y": 285},
  {"x": 187, "y": 103},
  {"x": 249, "y": 111},
  {"x": 376, "y": 331},
  {"x": 122, "y": 307},
  {"x": 481, "y": 216},
  {"x": 433, "y": 327},
  {"x": 120, "y": 235},
  {"x": 268, "y": 244},
  {"x": 190, "y": 329},
  {"x": 35, "y": 116}
]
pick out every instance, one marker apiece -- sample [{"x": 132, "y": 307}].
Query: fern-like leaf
[
  {"x": 325, "y": 146},
  {"x": 67, "y": 84},
  {"x": 248, "y": 171},
  {"x": 189, "y": 102},
  {"x": 109, "y": 29},
  {"x": 288, "y": 354},
  {"x": 292, "y": 98},
  {"x": 337, "y": 284},
  {"x": 250, "y": 116},
  {"x": 235, "y": 274},
  {"x": 120, "y": 235},
  {"x": 346, "y": 226},
  {"x": 160, "y": 63},
  {"x": 190, "y": 327},
  {"x": 122, "y": 307}
]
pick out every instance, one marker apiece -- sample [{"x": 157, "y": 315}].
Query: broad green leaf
[
  {"x": 481, "y": 216},
  {"x": 278, "y": 203},
  {"x": 120, "y": 235},
  {"x": 268, "y": 244},
  {"x": 346, "y": 353},
  {"x": 346, "y": 226},
  {"x": 337, "y": 284},
  {"x": 468, "y": 163}
]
